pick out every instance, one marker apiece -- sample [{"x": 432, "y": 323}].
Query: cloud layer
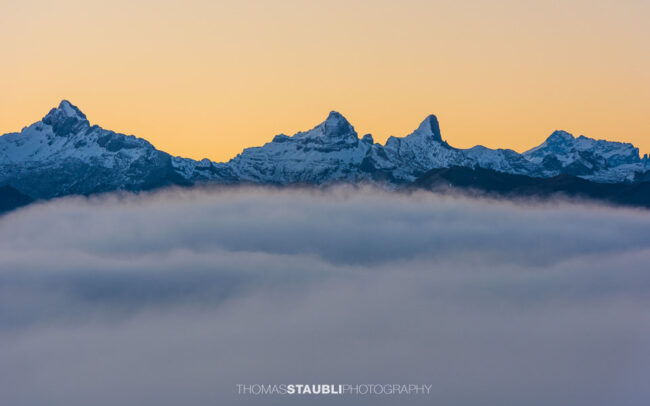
[{"x": 174, "y": 297}]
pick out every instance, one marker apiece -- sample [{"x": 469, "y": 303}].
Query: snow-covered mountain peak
[
  {"x": 335, "y": 116},
  {"x": 65, "y": 110},
  {"x": 601, "y": 160},
  {"x": 429, "y": 128},
  {"x": 559, "y": 136},
  {"x": 335, "y": 129},
  {"x": 62, "y": 154},
  {"x": 558, "y": 141},
  {"x": 336, "y": 124},
  {"x": 66, "y": 119}
]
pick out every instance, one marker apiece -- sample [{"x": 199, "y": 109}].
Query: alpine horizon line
[
  {"x": 432, "y": 118},
  {"x": 64, "y": 154}
]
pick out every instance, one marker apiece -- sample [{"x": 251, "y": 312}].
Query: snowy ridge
[
  {"x": 598, "y": 160},
  {"x": 330, "y": 151},
  {"x": 64, "y": 154}
]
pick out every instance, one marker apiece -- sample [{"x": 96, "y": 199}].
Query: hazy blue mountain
[
  {"x": 499, "y": 184},
  {"x": 10, "y": 199}
]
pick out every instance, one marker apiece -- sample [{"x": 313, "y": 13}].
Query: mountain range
[{"x": 64, "y": 154}]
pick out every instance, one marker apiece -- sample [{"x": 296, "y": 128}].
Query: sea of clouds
[{"x": 174, "y": 297}]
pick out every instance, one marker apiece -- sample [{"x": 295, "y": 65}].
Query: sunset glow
[{"x": 205, "y": 78}]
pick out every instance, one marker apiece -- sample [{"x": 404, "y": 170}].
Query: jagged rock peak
[
  {"x": 334, "y": 129},
  {"x": 336, "y": 124},
  {"x": 335, "y": 116},
  {"x": 66, "y": 118},
  {"x": 429, "y": 128},
  {"x": 560, "y": 136},
  {"x": 65, "y": 110}
]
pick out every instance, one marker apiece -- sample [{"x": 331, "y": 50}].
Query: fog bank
[{"x": 174, "y": 297}]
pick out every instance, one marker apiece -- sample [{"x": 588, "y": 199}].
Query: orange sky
[{"x": 206, "y": 78}]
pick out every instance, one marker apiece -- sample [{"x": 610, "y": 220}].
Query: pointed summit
[
  {"x": 335, "y": 115},
  {"x": 66, "y": 118},
  {"x": 560, "y": 136},
  {"x": 336, "y": 124},
  {"x": 429, "y": 128},
  {"x": 65, "y": 110},
  {"x": 334, "y": 130}
]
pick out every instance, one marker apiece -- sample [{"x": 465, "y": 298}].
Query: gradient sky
[{"x": 204, "y": 78}]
